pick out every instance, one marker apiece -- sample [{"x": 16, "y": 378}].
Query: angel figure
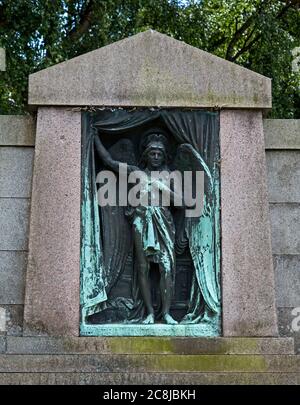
[{"x": 152, "y": 225}]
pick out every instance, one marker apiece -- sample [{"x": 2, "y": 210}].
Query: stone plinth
[
  {"x": 248, "y": 287},
  {"x": 52, "y": 288}
]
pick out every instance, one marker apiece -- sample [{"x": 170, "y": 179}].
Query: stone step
[
  {"x": 149, "y": 378},
  {"x": 141, "y": 363},
  {"x": 146, "y": 345}
]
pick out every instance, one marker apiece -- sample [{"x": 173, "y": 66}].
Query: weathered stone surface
[
  {"x": 14, "y": 218},
  {"x": 161, "y": 329},
  {"x": 146, "y": 345},
  {"x": 13, "y": 319},
  {"x": 2, "y": 59},
  {"x": 150, "y": 379},
  {"x": 149, "y": 69},
  {"x": 12, "y": 277},
  {"x": 2, "y": 321},
  {"x": 283, "y": 169},
  {"x": 285, "y": 225},
  {"x": 16, "y": 171},
  {"x": 2, "y": 344},
  {"x": 282, "y": 134},
  {"x": 145, "y": 363},
  {"x": 248, "y": 286},
  {"x": 52, "y": 288},
  {"x": 287, "y": 277},
  {"x": 17, "y": 130},
  {"x": 289, "y": 324}
]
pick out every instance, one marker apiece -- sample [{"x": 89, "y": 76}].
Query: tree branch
[
  {"x": 85, "y": 21},
  {"x": 214, "y": 45},
  {"x": 289, "y": 4},
  {"x": 3, "y": 21},
  {"x": 238, "y": 34},
  {"x": 245, "y": 48},
  {"x": 249, "y": 36}
]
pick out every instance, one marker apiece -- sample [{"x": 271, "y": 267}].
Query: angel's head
[
  {"x": 155, "y": 158},
  {"x": 154, "y": 155}
]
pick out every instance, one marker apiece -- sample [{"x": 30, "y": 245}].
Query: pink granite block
[
  {"x": 52, "y": 287},
  {"x": 247, "y": 271}
]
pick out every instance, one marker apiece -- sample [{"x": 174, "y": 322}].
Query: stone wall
[
  {"x": 16, "y": 162},
  {"x": 283, "y": 167}
]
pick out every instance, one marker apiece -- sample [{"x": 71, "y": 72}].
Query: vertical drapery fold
[{"x": 92, "y": 280}]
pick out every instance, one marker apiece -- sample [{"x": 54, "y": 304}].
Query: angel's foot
[
  {"x": 149, "y": 319},
  {"x": 186, "y": 320},
  {"x": 169, "y": 320}
]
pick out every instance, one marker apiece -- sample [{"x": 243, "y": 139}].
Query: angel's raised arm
[{"x": 107, "y": 158}]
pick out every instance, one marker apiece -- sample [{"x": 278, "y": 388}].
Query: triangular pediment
[{"x": 149, "y": 69}]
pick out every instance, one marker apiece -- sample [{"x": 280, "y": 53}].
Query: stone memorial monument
[{"x": 149, "y": 103}]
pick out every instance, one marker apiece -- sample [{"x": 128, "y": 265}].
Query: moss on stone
[
  {"x": 141, "y": 345},
  {"x": 208, "y": 363}
]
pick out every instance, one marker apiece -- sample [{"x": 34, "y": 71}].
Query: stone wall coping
[
  {"x": 282, "y": 133},
  {"x": 17, "y": 130}
]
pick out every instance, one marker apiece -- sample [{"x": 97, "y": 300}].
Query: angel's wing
[
  {"x": 188, "y": 159},
  {"x": 200, "y": 232},
  {"x": 123, "y": 151}
]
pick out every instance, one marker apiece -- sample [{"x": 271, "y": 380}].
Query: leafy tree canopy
[{"x": 258, "y": 34}]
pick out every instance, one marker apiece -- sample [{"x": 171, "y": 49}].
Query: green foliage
[{"x": 257, "y": 34}]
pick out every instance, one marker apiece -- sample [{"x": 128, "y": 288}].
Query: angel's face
[{"x": 155, "y": 158}]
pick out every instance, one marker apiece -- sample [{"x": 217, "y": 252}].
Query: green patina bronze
[{"x": 197, "y": 136}]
